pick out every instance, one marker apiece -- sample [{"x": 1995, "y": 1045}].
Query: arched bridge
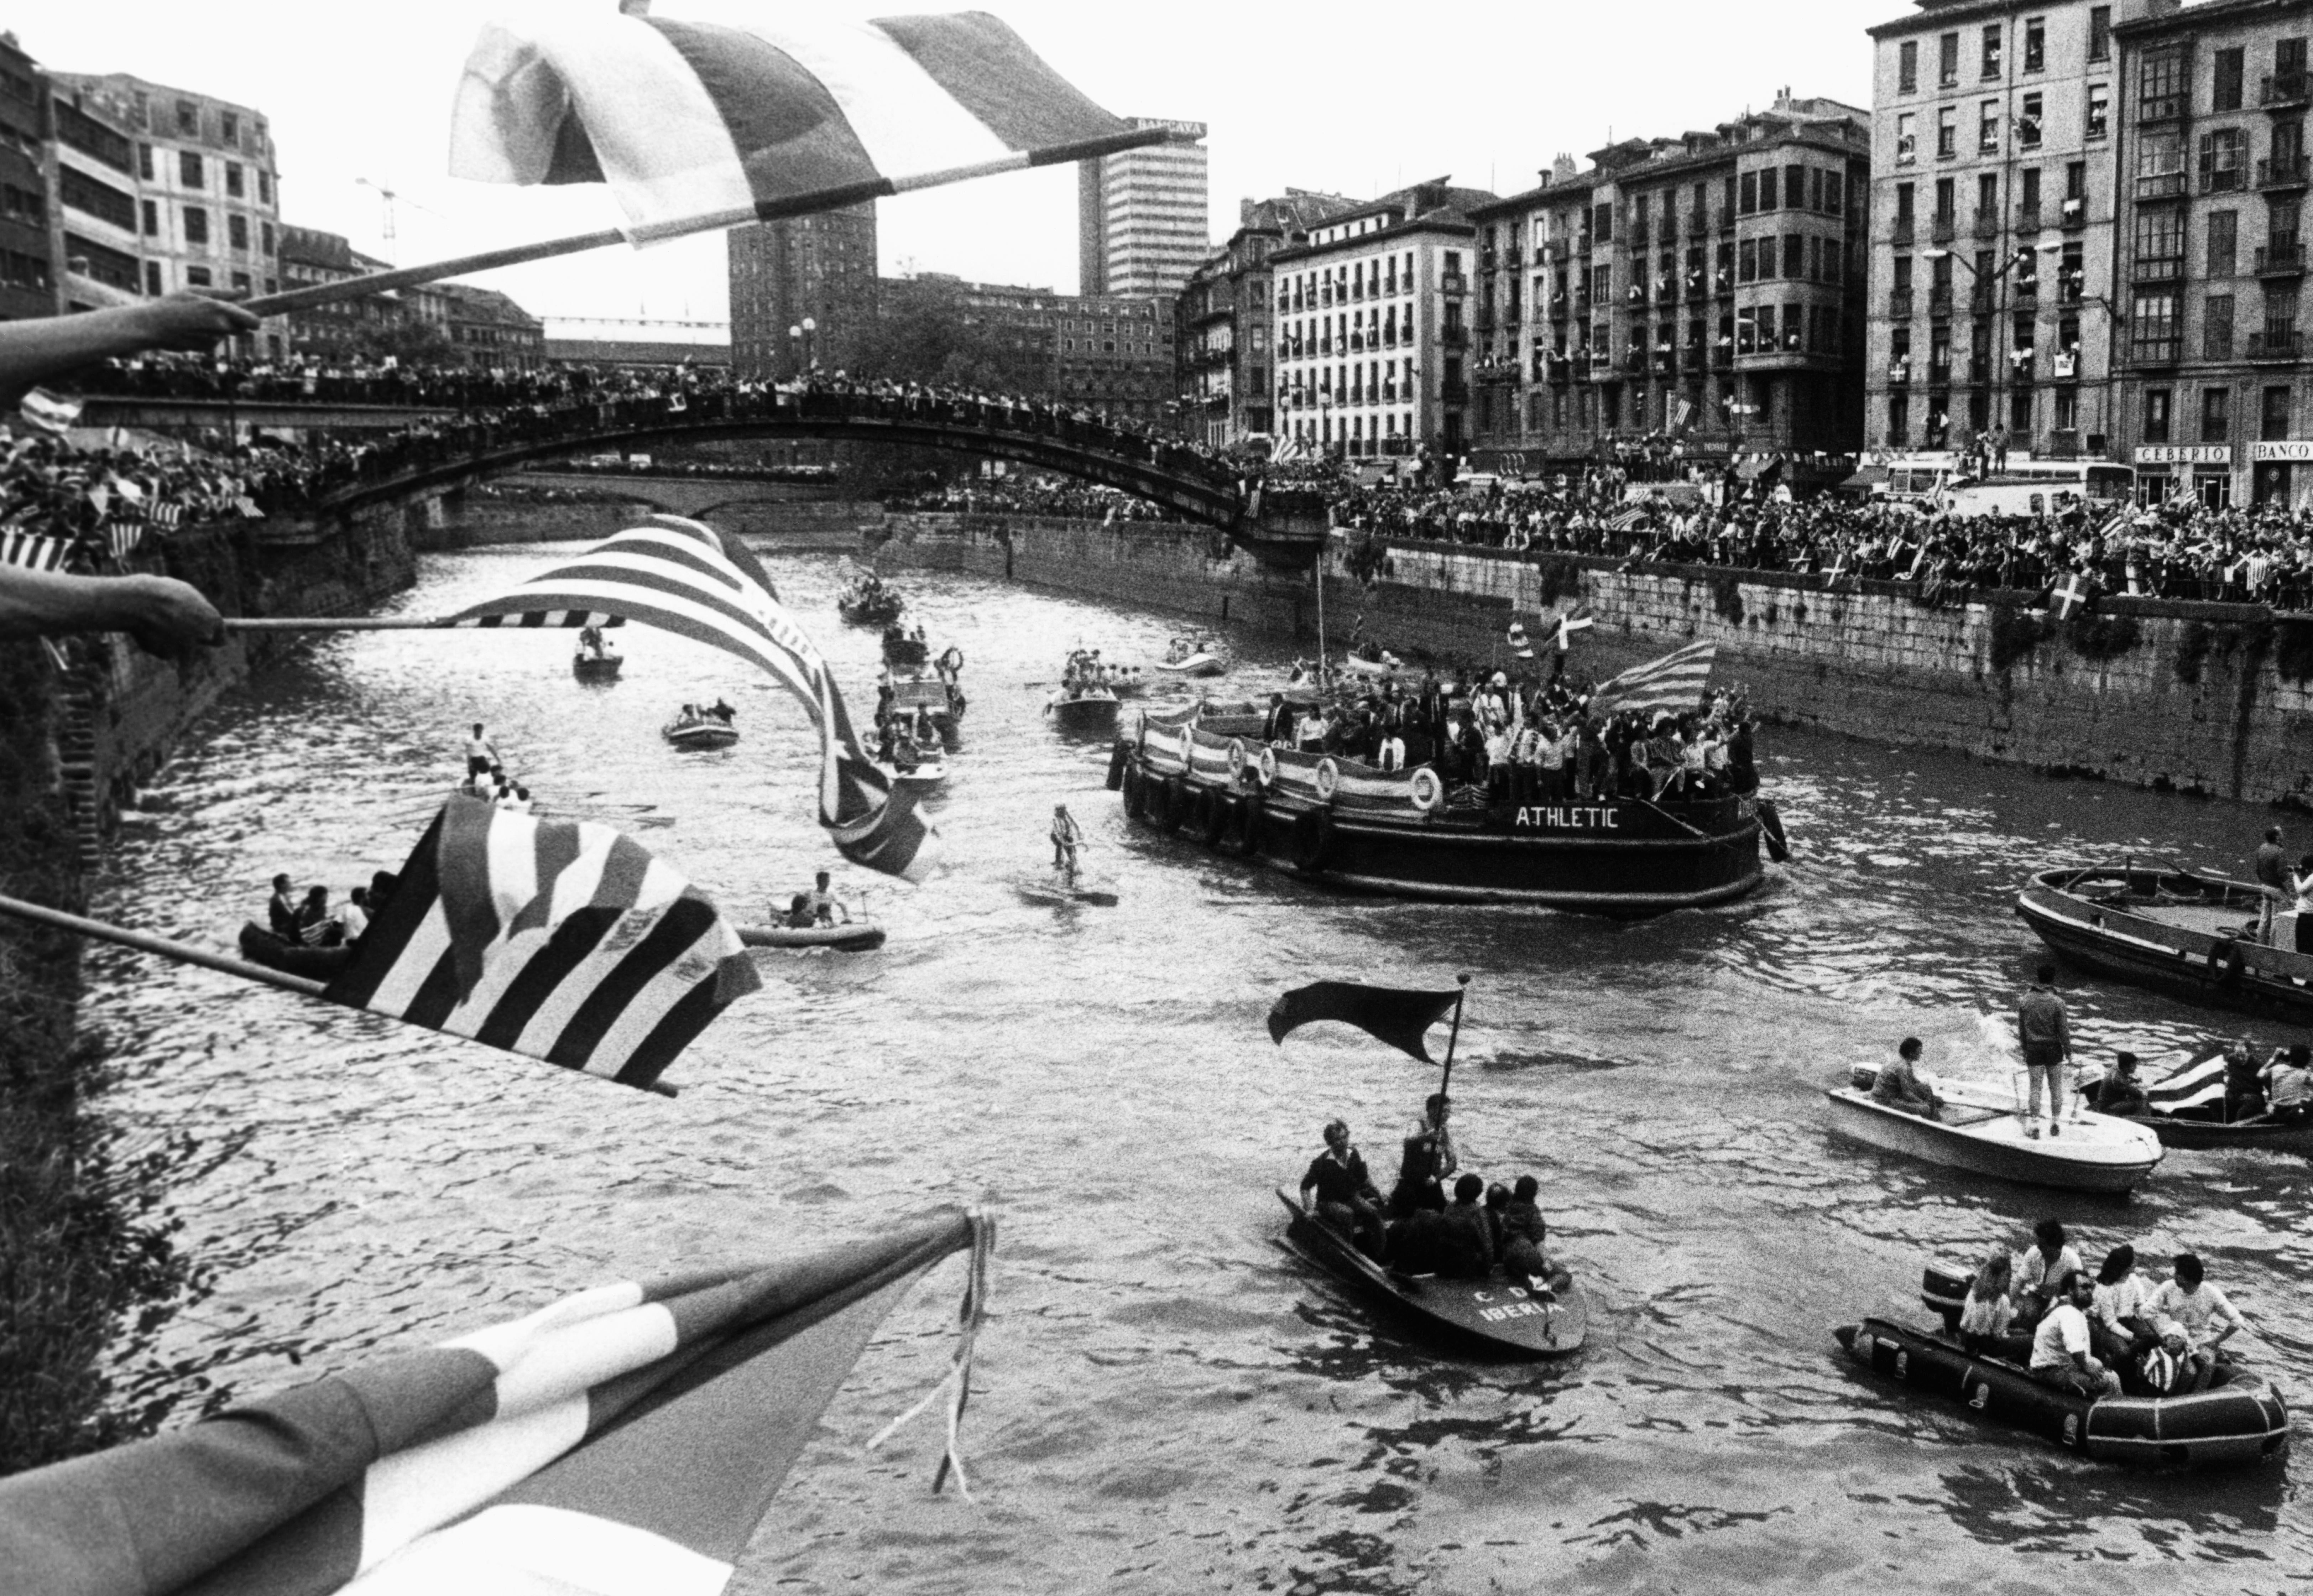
[{"x": 1280, "y": 529}]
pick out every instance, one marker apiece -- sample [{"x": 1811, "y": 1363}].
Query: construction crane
[{"x": 393, "y": 199}]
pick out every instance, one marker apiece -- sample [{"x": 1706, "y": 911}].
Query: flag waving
[
  {"x": 1675, "y": 682},
  {"x": 744, "y": 109},
  {"x": 622, "y": 1442},
  {"x": 688, "y": 578},
  {"x": 564, "y": 941},
  {"x": 1390, "y": 1014}
]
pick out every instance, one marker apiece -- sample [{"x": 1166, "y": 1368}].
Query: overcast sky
[{"x": 1347, "y": 97}]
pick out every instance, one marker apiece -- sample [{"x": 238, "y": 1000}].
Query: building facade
[
  {"x": 2213, "y": 397},
  {"x": 28, "y": 274},
  {"x": 1995, "y": 165},
  {"x": 310, "y": 256},
  {"x": 1143, "y": 216},
  {"x": 1701, "y": 298},
  {"x": 1113, "y": 354},
  {"x": 206, "y": 211},
  {"x": 819, "y": 269},
  {"x": 1371, "y": 326},
  {"x": 95, "y": 236},
  {"x": 489, "y": 332},
  {"x": 1223, "y": 324}
]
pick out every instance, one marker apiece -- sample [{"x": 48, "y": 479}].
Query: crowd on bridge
[{"x": 387, "y": 382}]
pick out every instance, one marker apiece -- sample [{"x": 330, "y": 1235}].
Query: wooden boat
[
  {"x": 1384, "y": 663},
  {"x": 704, "y": 732},
  {"x": 1086, "y": 709},
  {"x": 1982, "y": 1133},
  {"x": 878, "y": 607},
  {"x": 923, "y": 774},
  {"x": 858, "y": 937},
  {"x": 2208, "y": 1136},
  {"x": 1193, "y": 655},
  {"x": 902, "y": 651},
  {"x": 1502, "y": 1317},
  {"x": 1050, "y": 889},
  {"x": 259, "y": 946},
  {"x": 2187, "y": 934},
  {"x": 942, "y": 700},
  {"x": 1126, "y": 681},
  {"x": 1343, "y": 824},
  {"x": 596, "y": 667}
]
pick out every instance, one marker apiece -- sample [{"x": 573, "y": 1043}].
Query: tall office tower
[
  {"x": 817, "y": 269},
  {"x": 1142, "y": 221}
]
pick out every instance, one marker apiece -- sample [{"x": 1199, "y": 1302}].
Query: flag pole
[
  {"x": 1453, "y": 1036},
  {"x": 381, "y": 623}
]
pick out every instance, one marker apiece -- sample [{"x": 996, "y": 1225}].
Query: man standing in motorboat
[
  {"x": 2270, "y": 866},
  {"x": 825, "y": 904},
  {"x": 481, "y": 754},
  {"x": 281, "y": 910},
  {"x": 1428, "y": 1161},
  {"x": 1067, "y": 838},
  {"x": 2045, "y": 1032}
]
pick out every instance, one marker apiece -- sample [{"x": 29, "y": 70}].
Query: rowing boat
[
  {"x": 260, "y": 946},
  {"x": 700, "y": 733},
  {"x": 1502, "y": 1316},
  {"x": 1203, "y": 663},
  {"x": 1982, "y": 1133},
  {"x": 596, "y": 667},
  {"x": 1048, "y": 889},
  {"x": 1386, "y": 666},
  {"x": 841, "y": 938},
  {"x": 2189, "y": 934}
]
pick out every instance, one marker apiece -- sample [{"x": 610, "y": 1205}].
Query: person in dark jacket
[
  {"x": 1468, "y": 1249},
  {"x": 1338, "y": 1190},
  {"x": 2047, "y": 1034}
]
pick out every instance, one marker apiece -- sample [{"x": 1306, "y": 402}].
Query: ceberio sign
[{"x": 2184, "y": 455}]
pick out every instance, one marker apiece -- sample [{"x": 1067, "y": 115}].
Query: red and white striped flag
[
  {"x": 564, "y": 941},
  {"x": 688, "y": 578},
  {"x": 28, "y": 550},
  {"x": 50, "y": 412},
  {"x": 124, "y": 534},
  {"x": 712, "y": 112},
  {"x": 1676, "y": 681},
  {"x": 622, "y": 1442}
]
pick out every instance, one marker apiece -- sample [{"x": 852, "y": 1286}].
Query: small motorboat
[
  {"x": 1126, "y": 681},
  {"x": 923, "y": 774},
  {"x": 1502, "y": 1316},
  {"x": 1090, "y": 711},
  {"x": 859, "y": 937},
  {"x": 1982, "y": 1132},
  {"x": 940, "y": 698},
  {"x": 260, "y": 946},
  {"x": 868, "y": 602},
  {"x": 2190, "y": 934},
  {"x": 904, "y": 649},
  {"x": 697, "y": 731},
  {"x": 596, "y": 667},
  {"x": 2238, "y": 1422},
  {"x": 1374, "y": 661},
  {"x": 1194, "y": 655},
  {"x": 1050, "y": 889}
]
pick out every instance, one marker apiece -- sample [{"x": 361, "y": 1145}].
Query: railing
[
  {"x": 1899, "y": 304},
  {"x": 1938, "y": 375},
  {"x": 1987, "y": 223},
  {"x": 2160, "y": 351},
  {"x": 2161, "y": 107},
  {"x": 2027, "y": 288},
  {"x": 1454, "y": 392},
  {"x": 1943, "y": 229},
  {"x": 1453, "y": 282},
  {"x": 2282, "y": 171},
  {"x": 2285, "y": 259},
  {"x": 1899, "y": 232},
  {"x": 2160, "y": 185},
  {"x": 2022, "y": 365},
  {"x": 2073, "y": 215},
  {"x": 1899, "y": 373},
  {"x": 2159, "y": 268},
  {"x": 1939, "y": 298},
  {"x": 2283, "y": 90},
  {"x": 1454, "y": 337},
  {"x": 2275, "y": 343},
  {"x": 2027, "y": 218},
  {"x": 1980, "y": 296},
  {"x": 1512, "y": 258},
  {"x": 1979, "y": 370}
]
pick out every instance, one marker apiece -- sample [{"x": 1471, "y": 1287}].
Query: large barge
[{"x": 1342, "y": 824}]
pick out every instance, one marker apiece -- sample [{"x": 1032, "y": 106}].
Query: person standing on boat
[
  {"x": 481, "y": 754},
  {"x": 1340, "y": 1192},
  {"x": 2045, "y": 1031},
  {"x": 2061, "y": 1354},
  {"x": 825, "y": 904},
  {"x": 1067, "y": 838},
  {"x": 2270, "y": 866},
  {"x": 2301, "y": 884},
  {"x": 1427, "y": 1159}
]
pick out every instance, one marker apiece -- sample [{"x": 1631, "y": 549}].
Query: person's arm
[
  {"x": 2226, "y": 1316},
  {"x": 164, "y": 615},
  {"x": 33, "y": 351}
]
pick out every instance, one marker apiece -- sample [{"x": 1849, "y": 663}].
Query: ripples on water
[{"x": 1168, "y": 1402}]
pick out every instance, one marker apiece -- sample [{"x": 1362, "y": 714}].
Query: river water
[{"x": 1165, "y": 1400}]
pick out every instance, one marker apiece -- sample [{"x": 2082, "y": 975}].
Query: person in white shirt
[
  {"x": 2202, "y": 1311},
  {"x": 353, "y": 916},
  {"x": 2059, "y": 1347},
  {"x": 1392, "y": 752},
  {"x": 2120, "y": 1322},
  {"x": 1985, "y": 1317},
  {"x": 2041, "y": 1266}
]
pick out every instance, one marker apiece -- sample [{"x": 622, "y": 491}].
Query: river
[{"x": 1165, "y": 1400}]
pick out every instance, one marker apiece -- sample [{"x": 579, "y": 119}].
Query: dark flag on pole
[{"x": 1390, "y": 1014}]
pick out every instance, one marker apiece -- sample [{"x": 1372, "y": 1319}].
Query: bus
[{"x": 2027, "y": 488}]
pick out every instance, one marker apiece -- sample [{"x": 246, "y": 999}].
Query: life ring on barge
[
  {"x": 1313, "y": 840},
  {"x": 1428, "y": 791},
  {"x": 1236, "y": 761}
]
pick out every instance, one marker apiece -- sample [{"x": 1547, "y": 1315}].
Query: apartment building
[
  {"x": 27, "y": 275},
  {"x": 1223, "y": 319},
  {"x": 803, "y": 292}
]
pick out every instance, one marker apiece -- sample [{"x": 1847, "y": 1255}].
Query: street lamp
[{"x": 802, "y": 335}]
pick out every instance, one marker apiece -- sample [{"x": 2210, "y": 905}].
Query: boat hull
[
  {"x": 259, "y": 946},
  {"x": 840, "y": 938},
  {"x": 2095, "y": 1153},
  {"x": 2105, "y": 920},
  {"x": 2208, "y": 1136},
  {"x": 1083, "y": 715},
  {"x": 693, "y": 737},
  {"x": 1047, "y": 889},
  {"x": 2233, "y": 1425},
  {"x": 1505, "y": 1319},
  {"x": 596, "y": 670},
  {"x": 1196, "y": 665}
]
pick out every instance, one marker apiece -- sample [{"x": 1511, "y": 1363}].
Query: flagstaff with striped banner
[
  {"x": 564, "y": 941},
  {"x": 28, "y": 550},
  {"x": 1676, "y": 682},
  {"x": 625, "y": 1441},
  {"x": 688, "y": 578}
]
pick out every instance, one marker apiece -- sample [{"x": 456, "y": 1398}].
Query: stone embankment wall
[{"x": 2215, "y": 699}]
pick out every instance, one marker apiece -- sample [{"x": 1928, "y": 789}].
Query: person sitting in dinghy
[
  {"x": 2167, "y": 1371},
  {"x": 1900, "y": 1088},
  {"x": 2204, "y": 1313},
  {"x": 2061, "y": 1354},
  {"x": 1987, "y": 1318},
  {"x": 2288, "y": 1082},
  {"x": 2042, "y": 1267},
  {"x": 2120, "y": 1323},
  {"x": 1340, "y": 1192},
  {"x": 799, "y": 917},
  {"x": 1467, "y": 1241}
]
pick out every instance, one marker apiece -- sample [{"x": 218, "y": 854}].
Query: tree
[{"x": 927, "y": 333}]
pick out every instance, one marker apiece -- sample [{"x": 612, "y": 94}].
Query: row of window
[
  {"x": 20, "y": 270},
  {"x": 2064, "y": 416},
  {"x": 1794, "y": 186},
  {"x": 2275, "y": 407},
  {"x": 1989, "y": 65},
  {"x": 1384, "y": 277},
  {"x": 2160, "y": 247},
  {"x": 2157, "y": 326},
  {"x": 2096, "y": 123},
  {"x": 28, "y": 205},
  {"x": 2026, "y": 189},
  {"x": 1805, "y": 328},
  {"x": 2164, "y": 78},
  {"x": 1376, "y": 382}
]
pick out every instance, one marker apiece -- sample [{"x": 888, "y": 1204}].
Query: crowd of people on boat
[
  {"x": 594, "y": 646},
  {"x": 309, "y": 919},
  {"x": 1471, "y": 1229},
  {"x": 818, "y": 907},
  {"x": 2101, "y": 1333},
  {"x": 1498, "y": 741},
  {"x": 487, "y": 778},
  {"x": 1085, "y": 672}
]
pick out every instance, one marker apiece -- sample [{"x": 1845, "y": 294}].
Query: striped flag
[
  {"x": 622, "y": 1442},
  {"x": 1627, "y": 520},
  {"x": 50, "y": 412},
  {"x": 1675, "y": 682},
  {"x": 687, "y": 578},
  {"x": 30, "y": 552},
  {"x": 1516, "y": 638},
  {"x": 2200, "y": 1084},
  {"x": 712, "y": 112},
  {"x": 168, "y": 515},
  {"x": 563, "y": 941},
  {"x": 124, "y": 536}
]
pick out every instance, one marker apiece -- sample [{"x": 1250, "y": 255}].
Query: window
[
  {"x": 2028, "y": 126},
  {"x": 2161, "y": 86},
  {"x": 2160, "y": 242},
  {"x": 2224, "y": 158},
  {"x": 264, "y": 186},
  {"x": 1987, "y": 127},
  {"x": 189, "y": 168},
  {"x": 2225, "y": 236},
  {"x": 2100, "y": 117},
  {"x": 2273, "y": 415},
  {"x": 2216, "y": 419},
  {"x": 1903, "y": 192},
  {"x": 2154, "y": 324},
  {"x": 189, "y": 119},
  {"x": 1947, "y": 133},
  {"x": 2035, "y": 44},
  {"x": 1987, "y": 196},
  {"x": 1767, "y": 188},
  {"x": 1795, "y": 187},
  {"x": 232, "y": 180},
  {"x": 2027, "y": 197},
  {"x": 152, "y": 219},
  {"x": 1834, "y": 193},
  {"x": 229, "y": 127},
  {"x": 2156, "y": 415},
  {"x": 1907, "y": 65},
  {"x": 1794, "y": 257},
  {"x": 1746, "y": 256},
  {"x": 2160, "y": 164},
  {"x": 2217, "y": 327},
  {"x": 1946, "y": 206},
  {"x": 2076, "y": 181},
  {"x": 197, "y": 276},
  {"x": 1907, "y": 146},
  {"x": 1992, "y": 51},
  {"x": 236, "y": 231},
  {"x": 2225, "y": 80},
  {"x": 197, "y": 225},
  {"x": 2100, "y": 32},
  {"x": 1750, "y": 186},
  {"x": 1259, "y": 333},
  {"x": 1948, "y": 59},
  {"x": 144, "y": 162}
]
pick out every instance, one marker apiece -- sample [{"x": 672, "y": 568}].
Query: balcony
[
  {"x": 1726, "y": 223},
  {"x": 1723, "y": 284},
  {"x": 1582, "y": 244},
  {"x": 1454, "y": 337},
  {"x": 1939, "y": 299},
  {"x": 2275, "y": 343},
  {"x": 2066, "y": 366},
  {"x": 1558, "y": 307},
  {"x": 1666, "y": 361},
  {"x": 2158, "y": 351},
  {"x": 1938, "y": 375},
  {"x": 1979, "y": 370},
  {"x": 2073, "y": 215},
  {"x": 1556, "y": 251},
  {"x": 1484, "y": 320},
  {"x": 1899, "y": 232},
  {"x": 1582, "y": 305},
  {"x": 1634, "y": 361},
  {"x": 1899, "y": 373},
  {"x": 2160, "y": 185},
  {"x": 1987, "y": 223},
  {"x": 1943, "y": 229},
  {"x": 1452, "y": 392},
  {"x": 1635, "y": 294},
  {"x": 2282, "y": 171},
  {"x": 1982, "y": 296},
  {"x": 1453, "y": 282},
  {"x": 2028, "y": 219},
  {"x": 2159, "y": 268},
  {"x": 1486, "y": 258},
  {"x": 2285, "y": 90},
  {"x": 1561, "y": 369},
  {"x": 2028, "y": 291},
  {"x": 1512, "y": 259},
  {"x": 2022, "y": 366},
  {"x": 1513, "y": 318},
  {"x": 2282, "y": 260},
  {"x": 1899, "y": 305}
]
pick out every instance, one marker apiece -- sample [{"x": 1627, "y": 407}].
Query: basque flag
[
  {"x": 708, "y": 112},
  {"x": 1676, "y": 681}
]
